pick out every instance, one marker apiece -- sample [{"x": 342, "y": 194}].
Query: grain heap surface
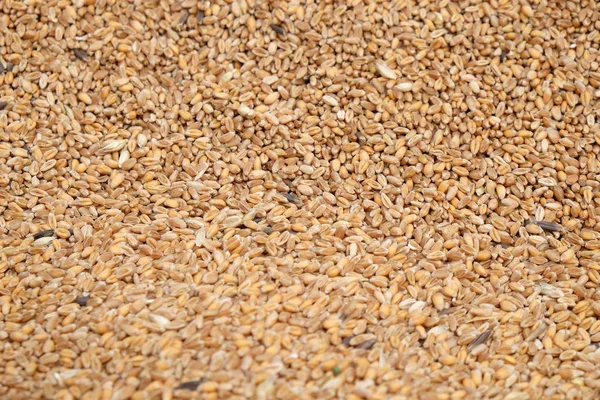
[{"x": 299, "y": 199}]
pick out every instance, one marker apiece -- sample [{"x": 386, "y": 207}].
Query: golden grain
[{"x": 359, "y": 200}]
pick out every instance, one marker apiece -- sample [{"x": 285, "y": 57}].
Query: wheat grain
[{"x": 299, "y": 200}]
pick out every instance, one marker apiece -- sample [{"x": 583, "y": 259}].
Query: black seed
[
  {"x": 367, "y": 344},
  {"x": 200, "y": 16},
  {"x": 290, "y": 197},
  {"x": 82, "y": 55},
  {"x": 43, "y": 234},
  {"x": 278, "y": 29},
  {"x": 549, "y": 226},
  {"x": 502, "y": 56},
  {"x": 268, "y": 230},
  {"x": 480, "y": 339},
  {"x": 82, "y": 300},
  {"x": 1, "y": 68},
  {"x": 3, "y": 104},
  {"x": 184, "y": 18},
  {"x": 191, "y": 385},
  {"x": 347, "y": 340},
  {"x": 448, "y": 310}
]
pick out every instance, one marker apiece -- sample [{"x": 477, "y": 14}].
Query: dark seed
[
  {"x": 347, "y": 340},
  {"x": 43, "y": 234},
  {"x": 184, "y": 18},
  {"x": 336, "y": 370},
  {"x": 82, "y": 300},
  {"x": 82, "y": 55},
  {"x": 200, "y": 16},
  {"x": 361, "y": 137},
  {"x": 480, "y": 339},
  {"x": 367, "y": 344},
  {"x": 549, "y": 226},
  {"x": 502, "y": 56},
  {"x": 291, "y": 197},
  {"x": 268, "y": 230},
  {"x": 257, "y": 219},
  {"x": 1, "y": 68},
  {"x": 191, "y": 385},
  {"x": 448, "y": 310},
  {"x": 3, "y": 104},
  {"x": 278, "y": 29}
]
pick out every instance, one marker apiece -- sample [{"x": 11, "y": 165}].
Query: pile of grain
[{"x": 299, "y": 199}]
